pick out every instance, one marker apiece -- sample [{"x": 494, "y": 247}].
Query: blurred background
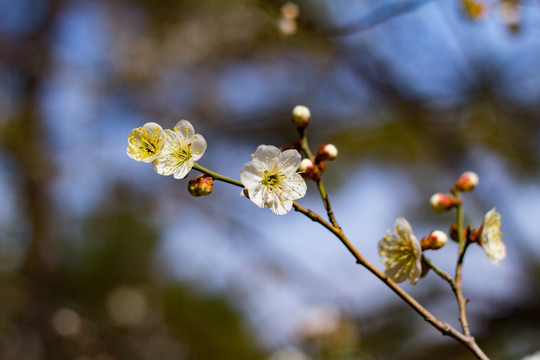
[{"x": 102, "y": 259}]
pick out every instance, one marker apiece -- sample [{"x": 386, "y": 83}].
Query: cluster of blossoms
[
  {"x": 402, "y": 253},
  {"x": 270, "y": 179},
  {"x": 171, "y": 152}
]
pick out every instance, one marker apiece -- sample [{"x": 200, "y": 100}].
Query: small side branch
[
  {"x": 326, "y": 202},
  {"x": 463, "y": 244},
  {"x": 445, "y": 276}
]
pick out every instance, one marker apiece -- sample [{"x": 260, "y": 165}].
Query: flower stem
[
  {"x": 439, "y": 272},
  {"x": 324, "y": 196},
  {"x": 305, "y": 145},
  {"x": 463, "y": 243},
  {"x": 327, "y": 205},
  {"x": 217, "y": 176}
]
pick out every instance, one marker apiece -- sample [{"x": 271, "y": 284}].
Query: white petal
[
  {"x": 280, "y": 207},
  {"x": 162, "y": 165},
  {"x": 198, "y": 147},
  {"x": 403, "y": 225},
  {"x": 152, "y": 126},
  {"x": 185, "y": 128},
  {"x": 183, "y": 170},
  {"x": 296, "y": 187},
  {"x": 266, "y": 153},
  {"x": 258, "y": 195},
  {"x": 415, "y": 272},
  {"x": 396, "y": 272},
  {"x": 404, "y": 229},
  {"x": 250, "y": 175},
  {"x": 290, "y": 161}
]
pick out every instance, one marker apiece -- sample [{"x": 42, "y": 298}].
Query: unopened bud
[
  {"x": 201, "y": 185},
  {"x": 453, "y": 231},
  {"x": 467, "y": 181},
  {"x": 301, "y": 116},
  {"x": 441, "y": 202},
  {"x": 306, "y": 165},
  {"x": 326, "y": 152},
  {"x": 474, "y": 234},
  {"x": 435, "y": 240},
  {"x": 309, "y": 170}
]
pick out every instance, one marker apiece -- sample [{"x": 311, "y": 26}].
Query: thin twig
[
  {"x": 326, "y": 202},
  {"x": 441, "y": 273},
  {"x": 324, "y": 196},
  {"x": 462, "y": 302},
  {"x": 463, "y": 243},
  {"x": 217, "y": 176}
]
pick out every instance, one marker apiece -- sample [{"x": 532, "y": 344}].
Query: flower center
[
  {"x": 271, "y": 179},
  {"x": 148, "y": 144},
  {"x": 182, "y": 153}
]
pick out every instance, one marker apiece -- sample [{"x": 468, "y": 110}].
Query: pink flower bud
[
  {"x": 202, "y": 185},
  {"x": 441, "y": 202},
  {"x": 301, "y": 116},
  {"x": 467, "y": 181},
  {"x": 306, "y": 165},
  {"x": 309, "y": 170},
  {"x": 435, "y": 240},
  {"x": 326, "y": 152}
]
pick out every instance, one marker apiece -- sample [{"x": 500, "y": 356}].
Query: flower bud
[
  {"x": 474, "y": 234},
  {"x": 441, "y": 202},
  {"x": 301, "y": 116},
  {"x": 467, "y": 181},
  {"x": 326, "y": 152},
  {"x": 201, "y": 185},
  {"x": 309, "y": 170},
  {"x": 435, "y": 240},
  {"x": 306, "y": 165},
  {"x": 453, "y": 231}
]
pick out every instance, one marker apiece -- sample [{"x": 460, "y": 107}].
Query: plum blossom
[
  {"x": 271, "y": 179},
  {"x": 146, "y": 143},
  {"x": 183, "y": 148},
  {"x": 401, "y": 253},
  {"x": 491, "y": 237}
]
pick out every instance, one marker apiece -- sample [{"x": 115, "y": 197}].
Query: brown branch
[
  {"x": 463, "y": 243},
  {"x": 462, "y": 302},
  {"x": 326, "y": 202}
]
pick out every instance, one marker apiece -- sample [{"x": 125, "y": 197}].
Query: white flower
[
  {"x": 183, "y": 148},
  {"x": 271, "y": 178},
  {"x": 491, "y": 237},
  {"x": 401, "y": 253},
  {"x": 146, "y": 143}
]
